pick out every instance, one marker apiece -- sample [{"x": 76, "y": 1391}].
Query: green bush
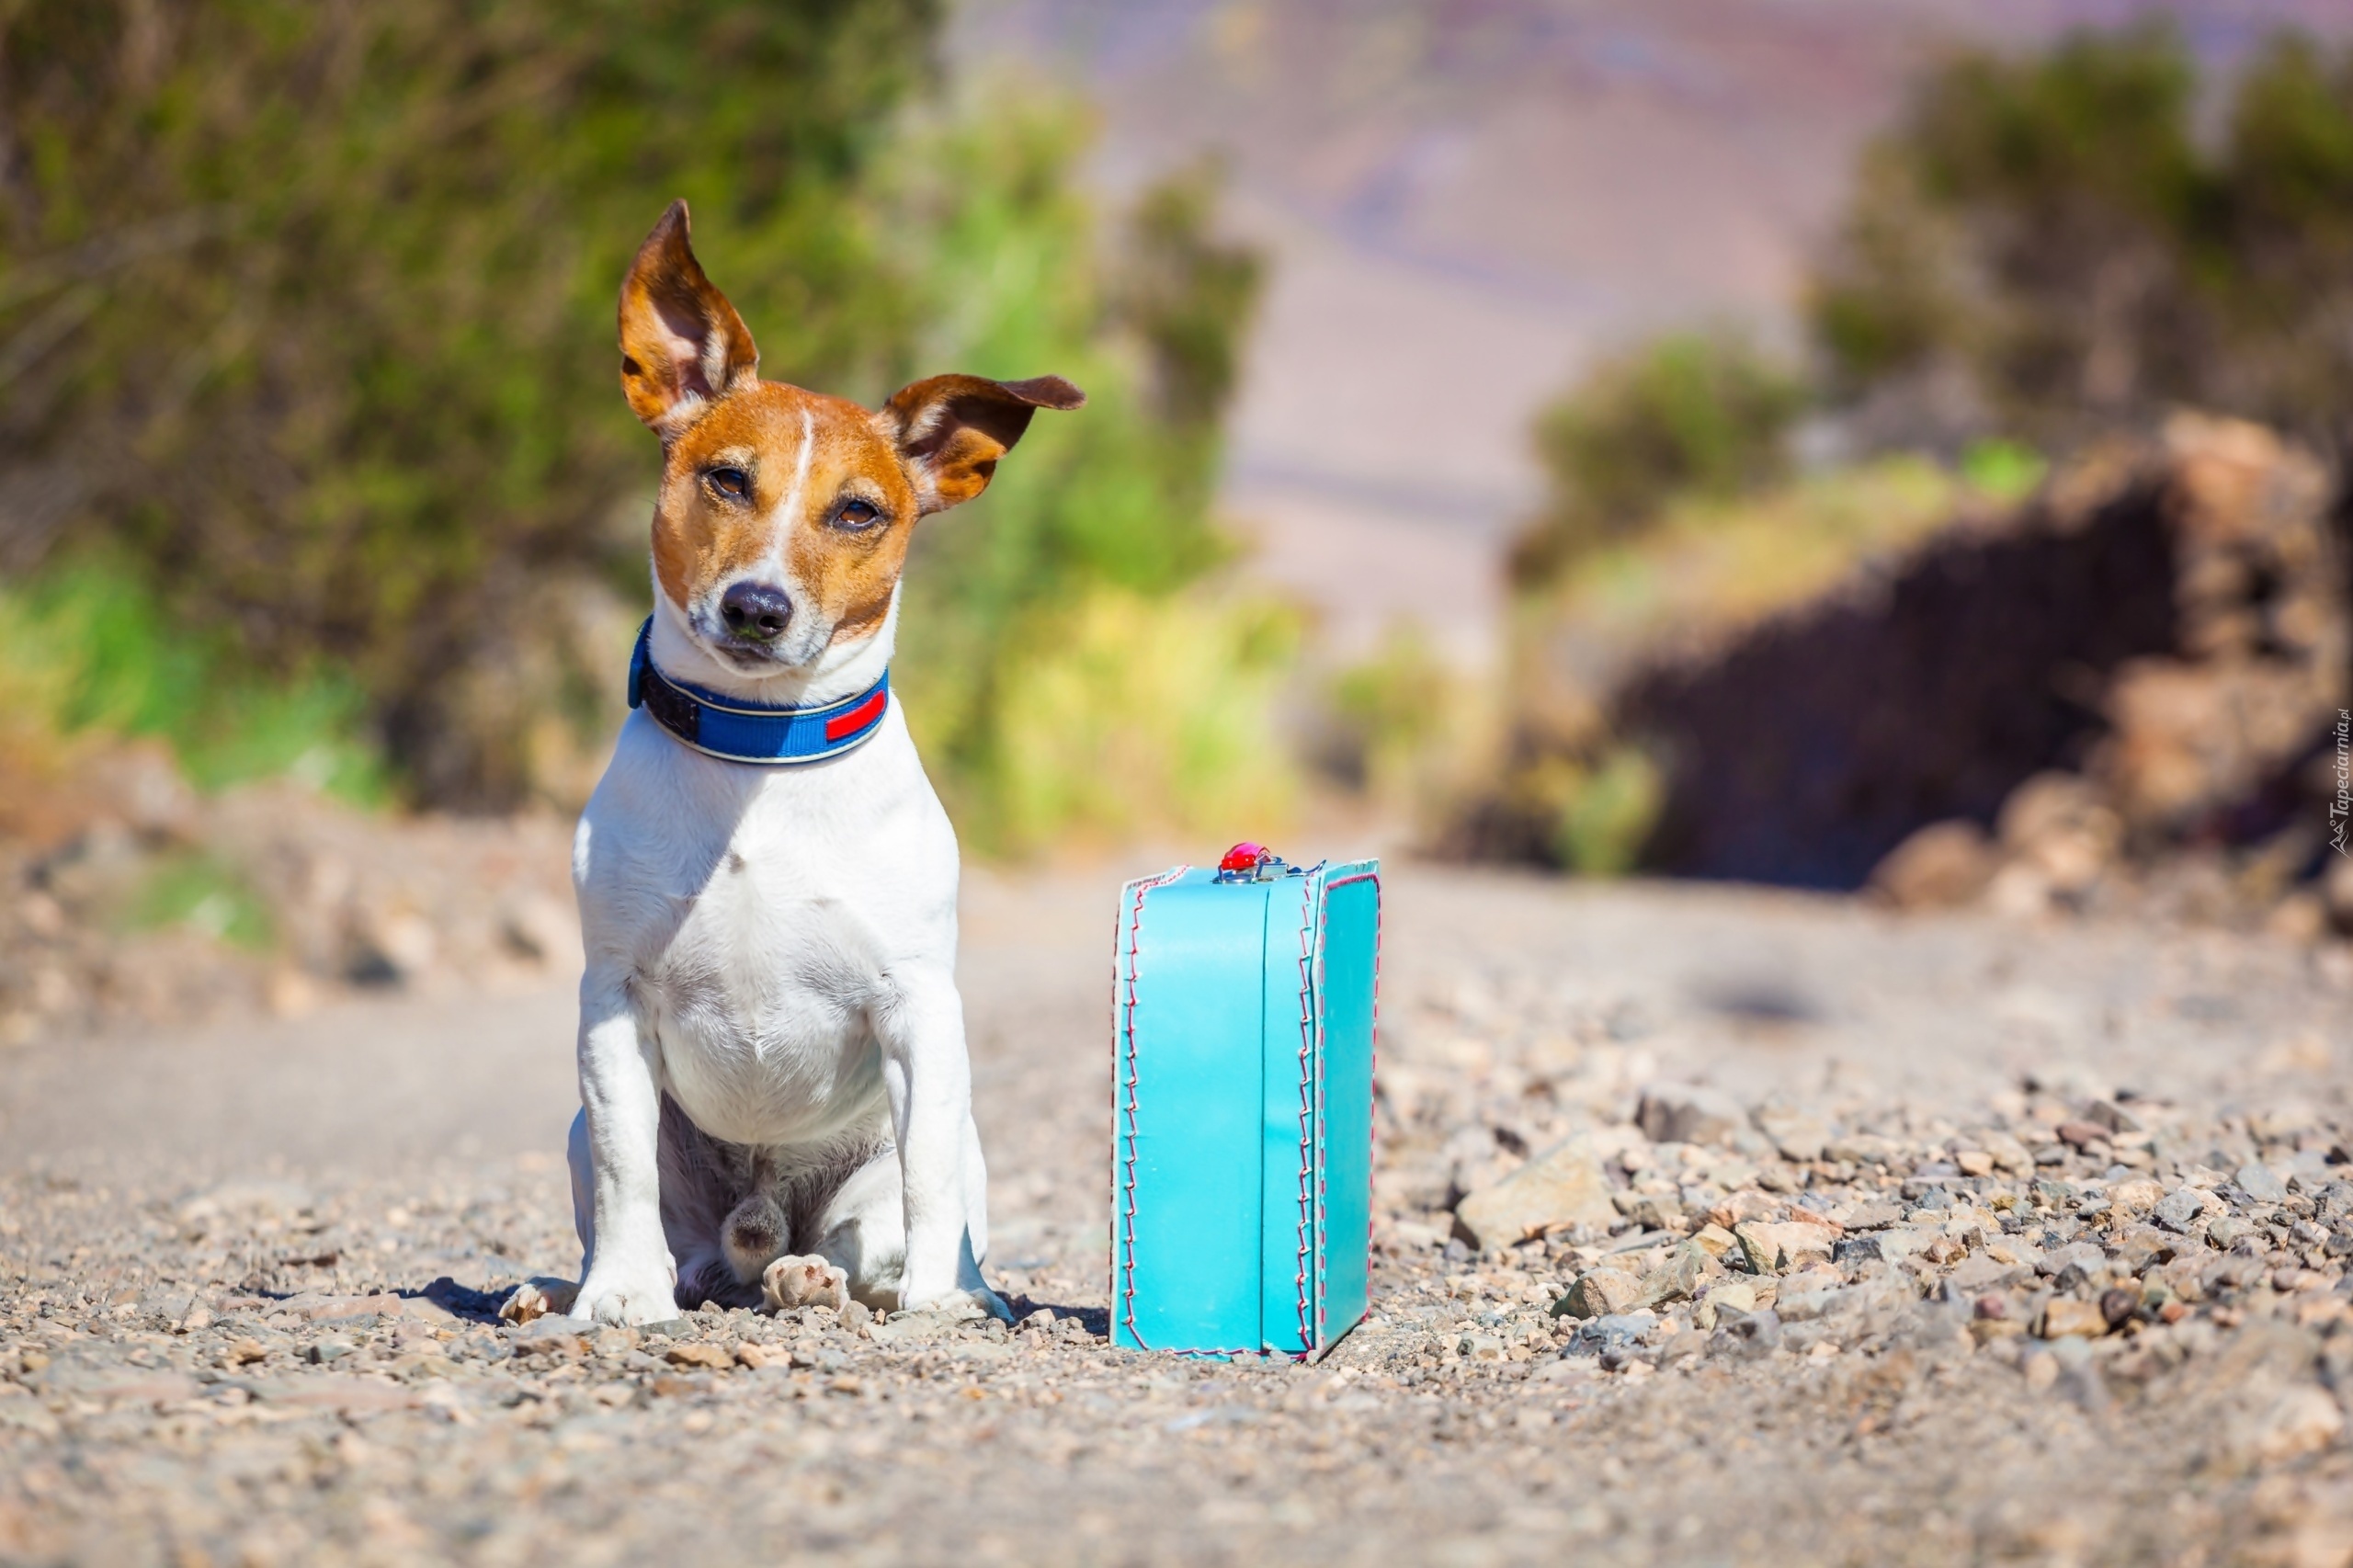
[
  {"x": 1686, "y": 415},
  {"x": 89, "y": 648},
  {"x": 308, "y": 309},
  {"x": 1015, "y": 603},
  {"x": 2049, "y": 234},
  {"x": 306, "y": 334}
]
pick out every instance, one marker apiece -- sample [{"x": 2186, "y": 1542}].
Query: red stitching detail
[{"x": 1310, "y": 1066}]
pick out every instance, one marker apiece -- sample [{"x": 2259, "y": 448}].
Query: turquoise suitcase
[{"x": 1243, "y": 1055}]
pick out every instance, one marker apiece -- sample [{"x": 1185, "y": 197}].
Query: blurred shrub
[
  {"x": 90, "y": 648},
  {"x": 309, "y": 308},
  {"x": 2047, "y": 246},
  {"x": 1386, "y": 716},
  {"x": 1126, "y": 712},
  {"x": 1687, "y": 415},
  {"x": 199, "y": 892},
  {"x": 1047, "y": 624},
  {"x": 306, "y": 332}
]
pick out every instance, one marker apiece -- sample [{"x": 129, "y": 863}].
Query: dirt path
[{"x": 201, "y": 1237}]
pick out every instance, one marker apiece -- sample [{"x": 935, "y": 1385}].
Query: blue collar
[{"x": 734, "y": 730}]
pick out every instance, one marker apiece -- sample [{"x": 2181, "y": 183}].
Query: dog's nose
[{"x": 756, "y": 610}]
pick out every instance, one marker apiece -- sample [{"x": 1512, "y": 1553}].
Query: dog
[{"x": 775, "y": 1103}]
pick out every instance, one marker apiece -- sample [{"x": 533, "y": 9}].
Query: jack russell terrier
[{"x": 776, "y": 1100}]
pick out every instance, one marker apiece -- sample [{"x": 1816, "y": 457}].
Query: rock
[
  {"x": 1738, "y": 1208},
  {"x": 2119, "y": 1304},
  {"x": 1562, "y": 1187},
  {"x": 1481, "y": 1347},
  {"x": 1599, "y": 1292},
  {"x": 1677, "y": 1275},
  {"x": 1716, "y": 1241},
  {"x": 1685, "y": 1113},
  {"x": 2180, "y": 1209},
  {"x": 2065, "y": 1317},
  {"x": 2081, "y": 1134},
  {"x": 322, "y": 1351},
  {"x": 2261, "y": 1183},
  {"x": 1941, "y": 866},
  {"x": 708, "y": 1358},
  {"x": 1611, "y": 1332},
  {"x": 2137, "y": 1196},
  {"x": 1746, "y": 1336},
  {"x": 2336, "y": 894},
  {"x": 1796, "y": 1135},
  {"x": 1848, "y": 1252},
  {"x": 2105, "y": 1113},
  {"x": 1771, "y": 1247},
  {"x": 1651, "y": 1212}
]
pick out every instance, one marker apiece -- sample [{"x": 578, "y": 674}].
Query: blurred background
[{"x": 1894, "y": 447}]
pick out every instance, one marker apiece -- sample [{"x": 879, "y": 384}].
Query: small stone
[
  {"x": 1942, "y": 865},
  {"x": 2067, "y": 1316},
  {"x": 2041, "y": 1369},
  {"x": 1039, "y": 1322},
  {"x": 2105, "y": 1113},
  {"x": 1599, "y": 1292},
  {"x": 1973, "y": 1161},
  {"x": 1715, "y": 1241},
  {"x": 2082, "y": 1134},
  {"x": 1685, "y": 1113},
  {"x": 752, "y": 1356},
  {"x": 1771, "y": 1247},
  {"x": 2137, "y": 1196},
  {"x": 1795, "y": 1135},
  {"x": 1480, "y": 1347},
  {"x": 240, "y": 1353},
  {"x": 1748, "y": 1336},
  {"x": 2261, "y": 1183},
  {"x": 1563, "y": 1187},
  {"x": 1677, "y": 1275},
  {"x": 2179, "y": 1209},
  {"x": 708, "y": 1358},
  {"x": 320, "y": 1352},
  {"x": 2119, "y": 1304}
]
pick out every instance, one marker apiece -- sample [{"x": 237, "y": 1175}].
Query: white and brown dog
[{"x": 775, "y": 1098}]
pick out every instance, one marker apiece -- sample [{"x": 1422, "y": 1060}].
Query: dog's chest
[{"x": 761, "y": 916}]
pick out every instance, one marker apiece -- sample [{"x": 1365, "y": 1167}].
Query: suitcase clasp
[{"x": 1247, "y": 862}]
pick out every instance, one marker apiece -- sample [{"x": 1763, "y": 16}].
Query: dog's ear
[
  {"x": 683, "y": 347},
  {"x": 950, "y": 430}
]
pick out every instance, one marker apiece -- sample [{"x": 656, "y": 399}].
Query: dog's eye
[
  {"x": 858, "y": 515},
  {"x": 733, "y": 483}
]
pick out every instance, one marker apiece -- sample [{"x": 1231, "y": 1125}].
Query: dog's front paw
[
  {"x": 967, "y": 1305},
  {"x": 791, "y": 1282},
  {"x": 626, "y": 1303}
]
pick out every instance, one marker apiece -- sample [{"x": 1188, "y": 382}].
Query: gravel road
[{"x": 1927, "y": 1239}]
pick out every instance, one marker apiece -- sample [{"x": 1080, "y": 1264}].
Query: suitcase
[{"x": 1243, "y": 1054}]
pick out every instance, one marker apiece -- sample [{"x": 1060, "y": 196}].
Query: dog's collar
[{"x": 735, "y": 730}]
